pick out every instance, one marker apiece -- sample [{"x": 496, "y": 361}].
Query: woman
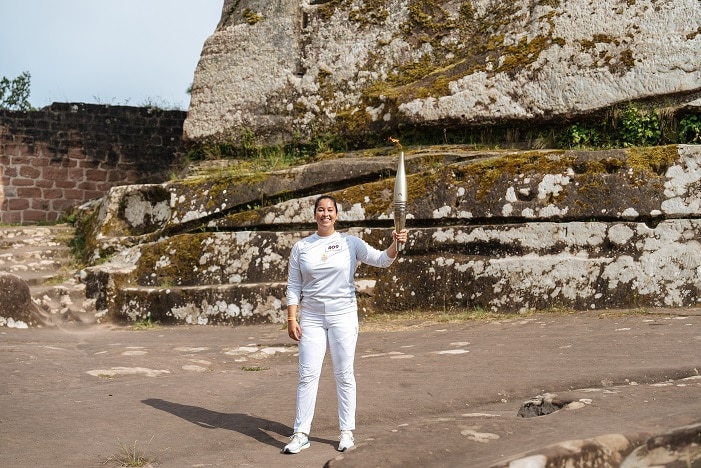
[{"x": 320, "y": 281}]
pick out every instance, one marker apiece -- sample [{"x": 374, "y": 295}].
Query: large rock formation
[
  {"x": 281, "y": 70},
  {"x": 502, "y": 231}
]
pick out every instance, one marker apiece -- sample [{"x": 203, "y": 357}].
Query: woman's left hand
[{"x": 400, "y": 236}]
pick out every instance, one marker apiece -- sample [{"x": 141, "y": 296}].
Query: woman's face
[{"x": 325, "y": 214}]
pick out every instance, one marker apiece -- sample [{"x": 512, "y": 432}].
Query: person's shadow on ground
[{"x": 256, "y": 428}]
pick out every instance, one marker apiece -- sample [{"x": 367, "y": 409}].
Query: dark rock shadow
[{"x": 251, "y": 426}]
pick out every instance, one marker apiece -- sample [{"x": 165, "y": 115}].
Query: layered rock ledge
[{"x": 501, "y": 231}]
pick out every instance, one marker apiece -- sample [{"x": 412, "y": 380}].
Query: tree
[{"x": 14, "y": 94}]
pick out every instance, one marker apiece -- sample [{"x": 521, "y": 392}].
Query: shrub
[
  {"x": 577, "y": 136},
  {"x": 690, "y": 129},
  {"x": 638, "y": 128}
]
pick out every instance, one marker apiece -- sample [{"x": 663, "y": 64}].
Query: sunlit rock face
[
  {"x": 503, "y": 231},
  {"x": 282, "y": 70}
]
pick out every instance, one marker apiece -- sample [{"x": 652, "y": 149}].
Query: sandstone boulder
[
  {"x": 284, "y": 69},
  {"x": 17, "y": 310}
]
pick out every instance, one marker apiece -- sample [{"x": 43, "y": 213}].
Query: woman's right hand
[{"x": 294, "y": 330}]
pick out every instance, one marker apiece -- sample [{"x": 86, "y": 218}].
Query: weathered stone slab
[
  {"x": 506, "y": 232},
  {"x": 516, "y": 268},
  {"x": 637, "y": 184},
  {"x": 202, "y": 305},
  {"x": 511, "y": 268},
  {"x": 129, "y": 215}
]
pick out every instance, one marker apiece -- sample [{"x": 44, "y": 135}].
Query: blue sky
[{"x": 121, "y": 52}]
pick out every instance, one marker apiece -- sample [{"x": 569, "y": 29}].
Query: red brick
[
  {"x": 116, "y": 175},
  {"x": 21, "y": 160},
  {"x": 18, "y": 182},
  {"x": 16, "y": 204},
  {"x": 29, "y": 192},
  {"x": 96, "y": 175},
  {"x": 87, "y": 186},
  {"x": 67, "y": 184},
  {"x": 89, "y": 164},
  {"x": 43, "y": 183},
  {"x": 9, "y": 171},
  {"x": 57, "y": 162},
  {"x": 76, "y": 174},
  {"x": 52, "y": 194},
  {"x": 104, "y": 187},
  {"x": 39, "y": 204},
  {"x": 55, "y": 173},
  {"x": 39, "y": 162},
  {"x": 63, "y": 205},
  {"x": 29, "y": 172},
  {"x": 75, "y": 152},
  {"x": 11, "y": 217},
  {"x": 74, "y": 194},
  {"x": 89, "y": 195},
  {"x": 32, "y": 216},
  {"x": 53, "y": 216},
  {"x": 12, "y": 150}
]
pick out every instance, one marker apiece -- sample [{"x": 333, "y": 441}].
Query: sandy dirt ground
[{"x": 429, "y": 393}]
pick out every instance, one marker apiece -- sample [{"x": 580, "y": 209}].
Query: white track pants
[{"x": 340, "y": 333}]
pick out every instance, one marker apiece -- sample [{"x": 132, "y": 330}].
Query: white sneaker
[
  {"x": 298, "y": 442},
  {"x": 345, "y": 441}
]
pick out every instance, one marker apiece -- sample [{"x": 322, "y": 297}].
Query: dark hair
[{"x": 327, "y": 197}]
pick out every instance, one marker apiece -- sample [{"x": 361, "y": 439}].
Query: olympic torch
[{"x": 400, "y": 194}]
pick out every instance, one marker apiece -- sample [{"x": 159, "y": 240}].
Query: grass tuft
[
  {"x": 146, "y": 324},
  {"x": 131, "y": 456}
]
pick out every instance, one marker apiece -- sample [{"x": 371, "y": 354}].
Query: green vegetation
[
  {"x": 577, "y": 136},
  {"x": 690, "y": 129},
  {"x": 638, "y": 128},
  {"x": 630, "y": 126},
  {"x": 14, "y": 94}
]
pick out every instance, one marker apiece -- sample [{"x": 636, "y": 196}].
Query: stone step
[
  {"x": 37, "y": 252},
  {"x": 35, "y": 278},
  {"x": 36, "y": 235},
  {"x": 41, "y": 256},
  {"x": 17, "y": 246}
]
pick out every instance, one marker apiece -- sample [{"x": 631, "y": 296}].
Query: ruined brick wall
[{"x": 63, "y": 155}]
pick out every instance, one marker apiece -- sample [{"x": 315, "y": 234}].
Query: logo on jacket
[{"x": 335, "y": 247}]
